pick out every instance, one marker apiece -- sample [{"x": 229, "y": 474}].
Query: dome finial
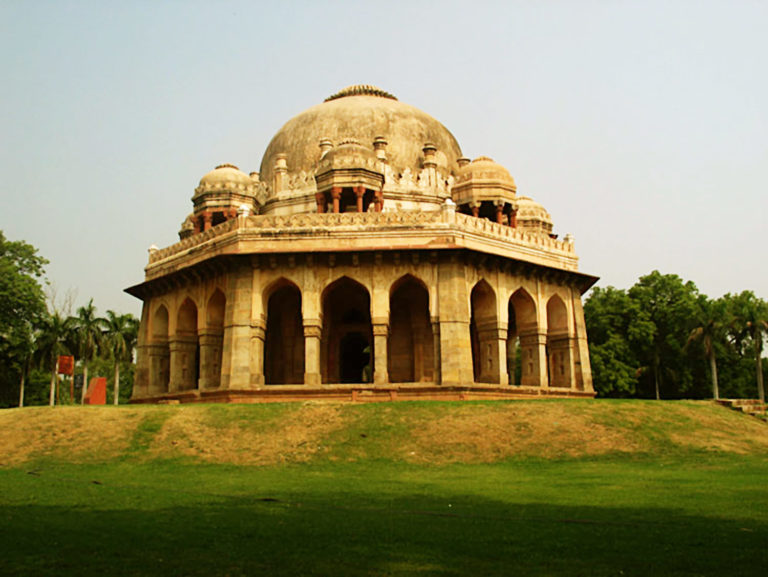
[{"x": 361, "y": 90}]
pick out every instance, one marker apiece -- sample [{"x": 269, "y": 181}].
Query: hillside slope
[{"x": 418, "y": 432}]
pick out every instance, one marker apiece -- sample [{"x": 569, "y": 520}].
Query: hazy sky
[{"x": 641, "y": 126}]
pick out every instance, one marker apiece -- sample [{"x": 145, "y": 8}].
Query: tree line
[
  {"x": 34, "y": 333},
  {"x": 662, "y": 338}
]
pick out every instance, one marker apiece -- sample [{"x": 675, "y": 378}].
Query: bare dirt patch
[
  {"x": 537, "y": 429},
  {"x": 74, "y": 433},
  {"x": 295, "y": 436}
]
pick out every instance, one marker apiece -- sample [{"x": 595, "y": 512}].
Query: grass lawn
[{"x": 685, "y": 512}]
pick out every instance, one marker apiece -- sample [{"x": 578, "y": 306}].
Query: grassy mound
[
  {"x": 427, "y": 433},
  {"x": 550, "y": 488}
]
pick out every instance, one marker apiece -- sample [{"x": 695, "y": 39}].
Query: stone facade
[{"x": 372, "y": 261}]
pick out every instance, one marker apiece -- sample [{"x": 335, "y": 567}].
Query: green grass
[{"x": 683, "y": 513}]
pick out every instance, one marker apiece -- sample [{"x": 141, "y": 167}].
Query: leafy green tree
[
  {"x": 88, "y": 337},
  {"x": 710, "y": 329},
  {"x": 609, "y": 313},
  {"x": 52, "y": 338},
  {"x": 120, "y": 334},
  {"x": 22, "y": 307},
  {"x": 748, "y": 325},
  {"x": 665, "y": 309}
]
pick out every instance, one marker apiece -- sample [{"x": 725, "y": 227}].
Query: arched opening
[
  {"x": 211, "y": 341},
  {"x": 483, "y": 329},
  {"x": 185, "y": 368},
  {"x": 558, "y": 343},
  {"x": 346, "y": 347},
  {"x": 284, "y": 341},
  {"x": 411, "y": 346},
  {"x": 522, "y": 339},
  {"x": 159, "y": 352}
]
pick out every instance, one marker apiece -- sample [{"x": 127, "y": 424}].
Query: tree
[
  {"x": 749, "y": 323},
  {"x": 608, "y": 313},
  {"x": 54, "y": 331},
  {"x": 88, "y": 338},
  {"x": 22, "y": 307},
  {"x": 120, "y": 333},
  {"x": 710, "y": 329},
  {"x": 665, "y": 308}
]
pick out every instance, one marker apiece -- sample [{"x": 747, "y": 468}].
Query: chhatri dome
[{"x": 367, "y": 259}]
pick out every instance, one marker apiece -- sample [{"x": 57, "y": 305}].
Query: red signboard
[{"x": 66, "y": 365}]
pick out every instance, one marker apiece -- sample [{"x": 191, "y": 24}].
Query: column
[
  {"x": 511, "y": 359},
  {"x": 238, "y": 348},
  {"x": 320, "y": 199},
  {"x": 500, "y": 212},
  {"x": 210, "y": 358},
  {"x": 159, "y": 364},
  {"x": 336, "y": 196},
  {"x": 533, "y": 353},
  {"x": 207, "y": 220},
  {"x": 379, "y": 200},
  {"x": 453, "y": 307},
  {"x": 475, "y": 206},
  {"x": 313, "y": 331},
  {"x": 359, "y": 193},
  {"x": 183, "y": 366},
  {"x": 436, "y": 349},
  {"x": 380, "y": 338}
]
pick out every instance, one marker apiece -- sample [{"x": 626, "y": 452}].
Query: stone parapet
[{"x": 438, "y": 229}]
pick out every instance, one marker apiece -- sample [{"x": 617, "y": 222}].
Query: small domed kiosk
[{"x": 367, "y": 259}]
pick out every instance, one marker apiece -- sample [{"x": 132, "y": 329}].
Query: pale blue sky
[{"x": 641, "y": 126}]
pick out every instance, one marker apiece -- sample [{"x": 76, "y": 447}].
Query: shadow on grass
[{"x": 360, "y": 534}]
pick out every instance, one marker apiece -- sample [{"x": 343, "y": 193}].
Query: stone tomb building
[{"x": 367, "y": 259}]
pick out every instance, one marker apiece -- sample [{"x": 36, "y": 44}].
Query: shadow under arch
[
  {"x": 212, "y": 340},
  {"x": 185, "y": 349},
  {"x": 483, "y": 330},
  {"x": 522, "y": 335},
  {"x": 346, "y": 348},
  {"x": 284, "y": 338},
  {"x": 160, "y": 354},
  {"x": 411, "y": 342},
  {"x": 558, "y": 343}
]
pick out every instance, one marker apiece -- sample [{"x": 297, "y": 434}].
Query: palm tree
[
  {"x": 88, "y": 337},
  {"x": 750, "y": 321},
  {"x": 51, "y": 342},
  {"x": 710, "y": 330},
  {"x": 120, "y": 332}
]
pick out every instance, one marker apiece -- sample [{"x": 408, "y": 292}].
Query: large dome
[{"x": 362, "y": 113}]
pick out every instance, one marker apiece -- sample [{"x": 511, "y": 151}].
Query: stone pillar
[
  {"x": 320, "y": 199},
  {"x": 313, "y": 331},
  {"x": 511, "y": 346},
  {"x": 210, "y": 358},
  {"x": 183, "y": 363},
  {"x": 500, "y": 212},
  {"x": 582, "y": 370},
  {"x": 258, "y": 335},
  {"x": 359, "y": 193},
  {"x": 453, "y": 307},
  {"x": 237, "y": 351},
  {"x": 492, "y": 353},
  {"x": 513, "y": 218},
  {"x": 158, "y": 358},
  {"x": 475, "y": 206},
  {"x": 560, "y": 362},
  {"x": 207, "y": 220},
  {"x": 379, "y": 200},
  {"x": 336, "y": 196},
  {"x": 380, "y": 342},
  {"x": 533, "y": 353},
  {"x": 436, "y": 349}
]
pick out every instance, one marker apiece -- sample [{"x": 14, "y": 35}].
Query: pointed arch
[
  {"x": 185, "y": 349},
  {"x": 483, "y": 330},
  {"x": 522, "y": 344},
  {"x": 411, "y": 343},
  {"x": 347, "y": 335},
  {"x": 215, "y": 309},
  {"x": 211, "y": 340},
  {"x": 558, "y": 343},
  {"x": 159, "y": 352},
  {"x": 284, "y": 338}
]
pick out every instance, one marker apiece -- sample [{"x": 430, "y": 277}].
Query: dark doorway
[{"x": 355, "y": 354}]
